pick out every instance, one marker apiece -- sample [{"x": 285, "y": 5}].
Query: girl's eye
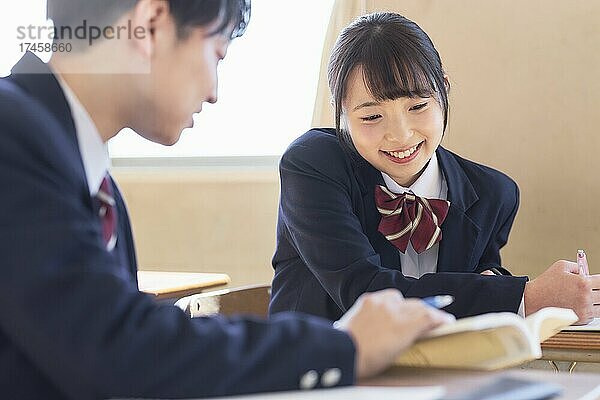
[
  {"x": 371, "y": 118},
  {"x": 418, "y": 106}
]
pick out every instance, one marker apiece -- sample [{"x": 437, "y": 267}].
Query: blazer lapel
[
  {"x": 459, "y": 232},
  {"x": 36, "y": 78},
  {"x": 125, "y": 237},
  {"x": 368, "y": 177}
]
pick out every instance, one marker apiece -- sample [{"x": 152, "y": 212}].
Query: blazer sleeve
[
  {"x": 83, "y": 324},
  {"x": 316, "y": 209},
  {"x": 491, "y": 255}
]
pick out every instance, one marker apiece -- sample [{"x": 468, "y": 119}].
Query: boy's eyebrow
[{"x": 367, "y": 104}]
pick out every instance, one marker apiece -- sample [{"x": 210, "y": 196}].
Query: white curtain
[{"x": 344, "y": 11}]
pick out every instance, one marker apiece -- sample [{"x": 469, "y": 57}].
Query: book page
[
  {"x": 478, "y": 323},
  {"x": 489, "y": 341},
  {"x": 487, "y": 349},
  {"x": 548, "y": 321}
]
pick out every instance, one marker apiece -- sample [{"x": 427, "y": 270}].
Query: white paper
[{"x": 592, "y": 326}]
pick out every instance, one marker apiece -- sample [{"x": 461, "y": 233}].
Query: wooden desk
[
  {"x": 168, "y": 285},
  {"x": 575, "y": 346},
  {"x": 575, "y": 385}
]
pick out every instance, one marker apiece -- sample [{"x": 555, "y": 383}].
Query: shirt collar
[
  {"x": 429, "y": 184},
  {"x": 94, "y": 152}
]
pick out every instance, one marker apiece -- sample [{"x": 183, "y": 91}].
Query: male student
[{"x": 72, "y": 322}]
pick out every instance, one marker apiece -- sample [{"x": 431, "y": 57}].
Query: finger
[
  {"x": 583, "y": 321},
  {"x": 430, "y": 318},
  {"x": 387, "y": 295},
  {"x": 487, "y": 272},
  {"x": 571, "y": 267},
  {"x": 596, "y": 297},
  {"x": 594, "y": 281},
  {"x": 443, "y": 318}
]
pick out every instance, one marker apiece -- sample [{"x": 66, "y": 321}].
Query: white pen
[{"x": 439, "y": 301}]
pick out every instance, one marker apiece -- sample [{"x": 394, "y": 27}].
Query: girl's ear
[
  {"x": 344, "y": 122},
  {"x": 447, "y": 83}
]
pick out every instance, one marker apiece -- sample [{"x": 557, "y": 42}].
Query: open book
[{"x": 489, "y": 341}]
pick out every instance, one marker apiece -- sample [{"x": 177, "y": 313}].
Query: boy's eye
[
  {"x": 418, "y": 106},
  {"x": 371, "y": 117}
]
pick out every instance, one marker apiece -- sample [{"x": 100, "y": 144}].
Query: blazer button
[
  {"x": 331, "y": 377},
  {"x": 309, "y": 380}
]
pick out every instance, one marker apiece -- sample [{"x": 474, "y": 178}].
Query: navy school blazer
[
  {"x": 73, "y": 324},
  {"x": 329, "y": 250}
]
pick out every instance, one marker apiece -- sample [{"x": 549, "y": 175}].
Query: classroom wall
[
  {"x": 524, "y": 99},
  {"x": 204, "y": 219}
]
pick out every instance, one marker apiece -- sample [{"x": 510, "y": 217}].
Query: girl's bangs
[{"x": 390, "y": 74}]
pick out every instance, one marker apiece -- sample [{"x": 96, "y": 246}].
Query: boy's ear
[{"x": 149, "y": 18}]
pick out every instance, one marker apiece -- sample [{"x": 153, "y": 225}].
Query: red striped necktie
[
  {"x": 107, "y": 213},
  {"x": 408, "y": 217}
]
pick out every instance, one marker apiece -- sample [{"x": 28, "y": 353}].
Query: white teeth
[{"x": 403, "y": 154}]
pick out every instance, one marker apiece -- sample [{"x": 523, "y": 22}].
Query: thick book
[{"x": 489, "y": 341}]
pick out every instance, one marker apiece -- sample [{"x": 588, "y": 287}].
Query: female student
[{"x": 378, "y": 203}]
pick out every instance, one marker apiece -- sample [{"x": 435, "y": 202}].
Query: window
[
  {"x": 267, "y": 83},
  {"x": 16, "y": 14}
]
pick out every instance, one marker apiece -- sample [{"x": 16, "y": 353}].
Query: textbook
[{"x": 489, "y": 341}]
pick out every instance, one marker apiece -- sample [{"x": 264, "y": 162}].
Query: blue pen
[{"x": 439, "y": 301}]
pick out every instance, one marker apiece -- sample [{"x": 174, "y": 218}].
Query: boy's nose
[{"x": 213, "y": 97}]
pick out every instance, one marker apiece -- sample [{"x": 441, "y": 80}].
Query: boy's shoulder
[{"x": 21, "y": 111}]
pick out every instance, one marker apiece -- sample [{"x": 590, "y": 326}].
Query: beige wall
[
  {"x": 525, "y": 94},
  {"x": 525, "y": 98},
  {"x": 204, "y": 220}
]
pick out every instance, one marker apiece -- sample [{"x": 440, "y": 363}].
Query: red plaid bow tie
[
  {"x": 107, "y": 213},
  {"x": 407, "y": 217}
]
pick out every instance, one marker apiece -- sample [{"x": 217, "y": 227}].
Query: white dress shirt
[
  {"x": 432, "y": 185},
  {"x": 94, "y": 152}
]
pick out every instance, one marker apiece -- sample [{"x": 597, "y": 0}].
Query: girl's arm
[
  {"x": 317, "y": 215},
  {"x": 499, "y": 237}
]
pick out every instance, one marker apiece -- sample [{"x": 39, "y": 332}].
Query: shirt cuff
[{"x": 521, "y": 311}]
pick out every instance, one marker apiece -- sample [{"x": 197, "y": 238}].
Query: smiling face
[
  {"x": 390, "y": 94},
  {"x": 397, "y": 137}
]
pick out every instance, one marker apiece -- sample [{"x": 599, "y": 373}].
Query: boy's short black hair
[{"x": 233, "y": 15}]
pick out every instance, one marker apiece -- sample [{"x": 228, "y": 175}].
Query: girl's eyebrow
[{"x": 367, "y": 104}]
